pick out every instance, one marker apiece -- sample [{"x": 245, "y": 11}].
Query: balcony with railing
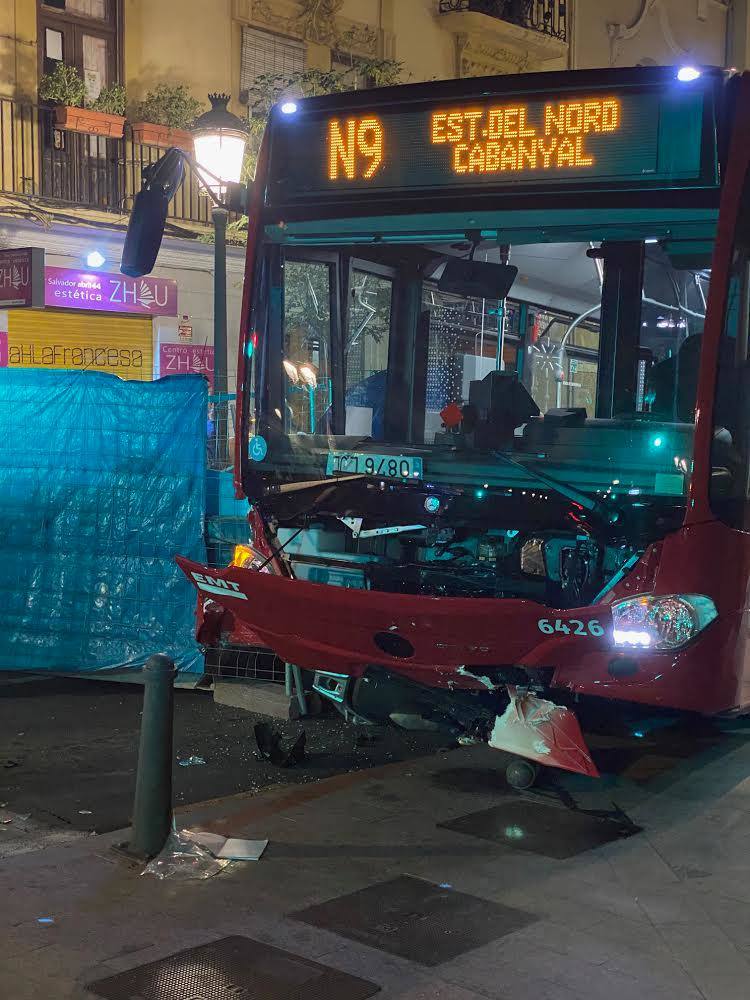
[
  {"x": 75, "y": 170},
  {"x": 545, "y": 16}
]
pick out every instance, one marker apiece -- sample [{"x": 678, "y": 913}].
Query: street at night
[{"x": 374, "y": 499}]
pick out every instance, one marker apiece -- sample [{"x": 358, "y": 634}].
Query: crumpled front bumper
[{"x": 433, "y": 640}]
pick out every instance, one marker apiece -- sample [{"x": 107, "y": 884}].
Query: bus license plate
[{"x": 342, "y": 463}]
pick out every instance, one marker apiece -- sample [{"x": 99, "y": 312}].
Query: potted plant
[
  {"x": 163, "y": 117},
  {"x": 66, "y": 89}
]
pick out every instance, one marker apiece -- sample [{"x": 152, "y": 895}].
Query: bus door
[
  {"x": 367, "y": 347},
  {"x": 307, "y": 287}
]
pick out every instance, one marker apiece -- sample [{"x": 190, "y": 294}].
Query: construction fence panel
[{"x": 102, "y": 483}]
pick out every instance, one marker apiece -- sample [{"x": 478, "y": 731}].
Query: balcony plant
[
  {"x": 65, "y": 88},
  {"x": 164, "y": 116}
]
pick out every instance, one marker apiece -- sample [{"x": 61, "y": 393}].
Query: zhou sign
[
  {"x": 21, "y": 277},
  {"x": 187, "y": 359},
  {"x": 71, "y": 289}
]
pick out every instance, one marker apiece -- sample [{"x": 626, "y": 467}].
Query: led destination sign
[
  {"x": 646, "y": 137},
  {"x": 483, "y": 141}
]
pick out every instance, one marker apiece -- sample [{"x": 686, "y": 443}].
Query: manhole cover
[
  {"x": 416, "y": 919},
  {"x": 233, "y": 968},
  {"x": 541, "y": 829}
]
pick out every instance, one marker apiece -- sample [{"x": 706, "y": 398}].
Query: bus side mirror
[{"x": 149, "y": 214}]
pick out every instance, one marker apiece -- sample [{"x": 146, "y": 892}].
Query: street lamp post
[{"x": 219, "y": 140}]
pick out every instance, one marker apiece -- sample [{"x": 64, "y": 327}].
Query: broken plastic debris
[
  {"x": 542, "y": 731},
  {"x": 45, "y": 921},
  {"x": 269, "y": 746},
  {"x": 190, "y": 761},
  {"x": 485, "y": 681},
  {"x": 236, "y": 849}
]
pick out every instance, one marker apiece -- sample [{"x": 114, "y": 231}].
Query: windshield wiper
[
  {"x": 309, "y": 484},
  {"x": 562, "y": 489}
]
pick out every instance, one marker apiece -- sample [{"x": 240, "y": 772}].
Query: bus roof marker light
[
  {"x": 686, "y": 74},
  {"x": 289, "y": 108}
]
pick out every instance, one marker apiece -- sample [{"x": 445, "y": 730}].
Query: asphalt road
[{"x": 68, "y": 752}]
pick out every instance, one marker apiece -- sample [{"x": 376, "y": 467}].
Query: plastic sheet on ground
[
  {"x": 184, "y": 857},
  {"x": 102, "y": 483},
  {"x": 199, "y": 854}
]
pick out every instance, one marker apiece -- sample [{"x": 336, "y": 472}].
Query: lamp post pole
[
  {"x": 221, "y": 407},
  {"x": 219, "y": 140}
]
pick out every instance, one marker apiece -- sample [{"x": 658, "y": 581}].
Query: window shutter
[{"x": 265, "y": 53}]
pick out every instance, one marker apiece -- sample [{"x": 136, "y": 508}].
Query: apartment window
[
  {"x": 264, "y": 54},
  {"x": 81, "y": 33},
  {"x": 351, "y": 70}
]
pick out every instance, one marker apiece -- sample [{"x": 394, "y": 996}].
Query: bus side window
[{"x": 730, "y": 454}]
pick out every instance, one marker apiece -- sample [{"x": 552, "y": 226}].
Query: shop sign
[
  {"x": 187, "y": 359},
  {"x": 21, "y": 278},
  {"x": 68, "y": 288}
]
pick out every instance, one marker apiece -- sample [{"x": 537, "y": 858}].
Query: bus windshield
[{"x": 389, "y": 362}]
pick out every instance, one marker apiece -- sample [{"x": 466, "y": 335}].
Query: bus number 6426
[{"x": 573, "y": 626}]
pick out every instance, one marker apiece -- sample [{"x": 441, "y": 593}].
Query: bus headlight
[{"x": 663, "y": 622}]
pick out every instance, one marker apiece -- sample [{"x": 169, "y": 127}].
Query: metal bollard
[{"x": 152, "y": 809}]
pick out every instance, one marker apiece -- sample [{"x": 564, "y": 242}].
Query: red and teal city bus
[{"x": 492, "y": 403}]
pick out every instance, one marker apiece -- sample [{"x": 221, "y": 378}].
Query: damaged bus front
[{"x": 489, "y": 471}]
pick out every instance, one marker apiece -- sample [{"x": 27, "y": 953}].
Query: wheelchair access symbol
[{"x": 258, "y": 449}]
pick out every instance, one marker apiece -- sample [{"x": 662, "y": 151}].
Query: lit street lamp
[{"x": 219, "y": 140}]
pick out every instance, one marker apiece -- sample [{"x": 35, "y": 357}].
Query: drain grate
[
  {"x": 542, "y": 829},
  {"x": 416, "y": 919},
  {"x": 233, "y": 968}
]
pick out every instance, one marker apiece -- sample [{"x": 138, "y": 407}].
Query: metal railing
[
  {"x": 40, "y": 160},
  {"x": 546, "y": 16}
]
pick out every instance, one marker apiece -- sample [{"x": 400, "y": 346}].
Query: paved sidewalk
[{"x": 491, "y": 908}]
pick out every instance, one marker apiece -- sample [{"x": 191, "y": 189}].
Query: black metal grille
[
  {"x": 234, "y": 968},
  {"x": 546, "y": 16},
  {"x": 40, "y": 160}
]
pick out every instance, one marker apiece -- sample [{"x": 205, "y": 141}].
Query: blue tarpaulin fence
[{"x": 102, "y": 483}]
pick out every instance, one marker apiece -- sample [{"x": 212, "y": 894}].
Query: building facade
[{"x": 69, "y": 191}]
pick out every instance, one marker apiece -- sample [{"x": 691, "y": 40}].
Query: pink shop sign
[
  {"x": 21, "y": 277},
  {"x": 187, "y": 359},
  {"x": 68, "y": 288}
]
